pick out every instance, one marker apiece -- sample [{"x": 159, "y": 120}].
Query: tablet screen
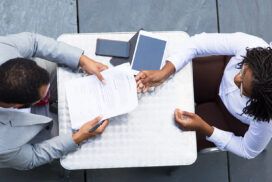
[{"x": 149, "y": 53}]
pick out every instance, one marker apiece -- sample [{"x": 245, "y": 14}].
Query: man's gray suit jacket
[{"x": 18, "y": 129}]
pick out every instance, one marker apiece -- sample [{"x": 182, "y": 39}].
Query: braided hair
[{"x": 259, "y": 105}]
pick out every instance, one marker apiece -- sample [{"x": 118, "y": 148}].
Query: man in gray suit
[{"x": 24, "y": 83}]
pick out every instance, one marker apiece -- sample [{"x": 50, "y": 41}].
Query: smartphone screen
[{"x": 112, "y": 48}]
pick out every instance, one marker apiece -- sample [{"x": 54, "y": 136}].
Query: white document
[{"x": 88, "y": 98}]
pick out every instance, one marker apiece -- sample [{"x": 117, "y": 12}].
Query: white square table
[{"x": 148, "y": 135}]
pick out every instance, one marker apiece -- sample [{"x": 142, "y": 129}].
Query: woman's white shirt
[{"x": 234, "y": 44}]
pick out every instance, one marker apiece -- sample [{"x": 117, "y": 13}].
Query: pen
[{"x": 96, "y": 126}]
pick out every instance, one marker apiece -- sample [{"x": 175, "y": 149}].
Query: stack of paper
[{"x": 88, "y": 98}]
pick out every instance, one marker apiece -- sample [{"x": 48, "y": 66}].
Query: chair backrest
[
  {"x": 207, "y": 75},
  {"x": 205, "y": 83}
]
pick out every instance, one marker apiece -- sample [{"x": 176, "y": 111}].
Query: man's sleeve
[
  {"x": 32, "y": 155},
  {"x": 35, "y": 45}
]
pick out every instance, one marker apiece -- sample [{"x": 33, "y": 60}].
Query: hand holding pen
[{"x": 90, "y": 129}]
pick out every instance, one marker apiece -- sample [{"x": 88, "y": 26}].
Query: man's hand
[
  {"x": 92, "y": 67},
  {"x": 84, "y": 132},
  {"x": 191, "y": 121},
  {"x": 152, "y": 78}
]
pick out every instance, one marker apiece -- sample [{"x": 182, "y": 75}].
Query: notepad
[
  {"x": 148, "y": 53},
  {"x": 88, "y": 98}
]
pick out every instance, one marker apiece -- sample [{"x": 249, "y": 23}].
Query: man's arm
[
  {"x": 35, "y": 45},
  {"x": 29, "y": 156}
]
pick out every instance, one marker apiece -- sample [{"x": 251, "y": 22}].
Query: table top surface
[{"x": 148, "y": 135}]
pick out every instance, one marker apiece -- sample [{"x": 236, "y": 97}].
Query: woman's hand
[
  {"x": 92, "y": 67},
  {"x": 147, "y": 79},
  {"x": 191, "y": 121},
  {"x": 151, "y": 78}
]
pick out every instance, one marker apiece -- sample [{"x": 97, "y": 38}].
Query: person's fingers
[
  {"x": 101, "y": 128},
  {"x": 140, "y": 75},
  {"x": 181, "y": 113},
  {"x": 137, "y": 77},
  {"x": 183, "y": 117},
  {"x": 139, "y": 90},
  {"x": 102, "y": 68},
  {"x": 138, "y": 82},
  {"x": 99, "y": 76},
  {"x": 105, "y": 66},
  {"x": 141, "y": 85},
  {"x": 178, "y": 115},
  {"x": 177, "y": 112},
  {"x": 94, "y": 121},
  {"x": 188, "y": 114},
  {"x": 145, "y": 89},
  {"x": 147, "y": 80}
]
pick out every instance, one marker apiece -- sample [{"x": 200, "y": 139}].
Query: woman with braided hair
[{"x": 238, "y": 117}]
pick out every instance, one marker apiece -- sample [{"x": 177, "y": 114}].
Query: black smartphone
[{"x": 112, "y": 48}]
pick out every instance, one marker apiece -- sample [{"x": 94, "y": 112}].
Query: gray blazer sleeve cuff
[
  {"x": 68, "y": 143},
  {"x": 72, "y": 55},
  {"x": 29, "y": 156}
]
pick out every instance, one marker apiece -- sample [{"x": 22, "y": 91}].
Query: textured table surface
[{"x": 147, "y": 136}]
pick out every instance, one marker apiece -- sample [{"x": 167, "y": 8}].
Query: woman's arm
[
  {"x": 203, "y": 44},
  {"x": 250, "y": 145}
]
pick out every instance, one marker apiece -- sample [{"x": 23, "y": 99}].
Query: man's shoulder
[
  {"x": 7, "y": 52},
  {"x": 14, "y": 137},
  {"x": 17, "y": 128},
  {"x": 17, "y": 118}
]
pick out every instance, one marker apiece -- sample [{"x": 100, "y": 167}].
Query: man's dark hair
[
  {"x": 20, "y": 81},
  {"x": 259, "y": 105}
]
